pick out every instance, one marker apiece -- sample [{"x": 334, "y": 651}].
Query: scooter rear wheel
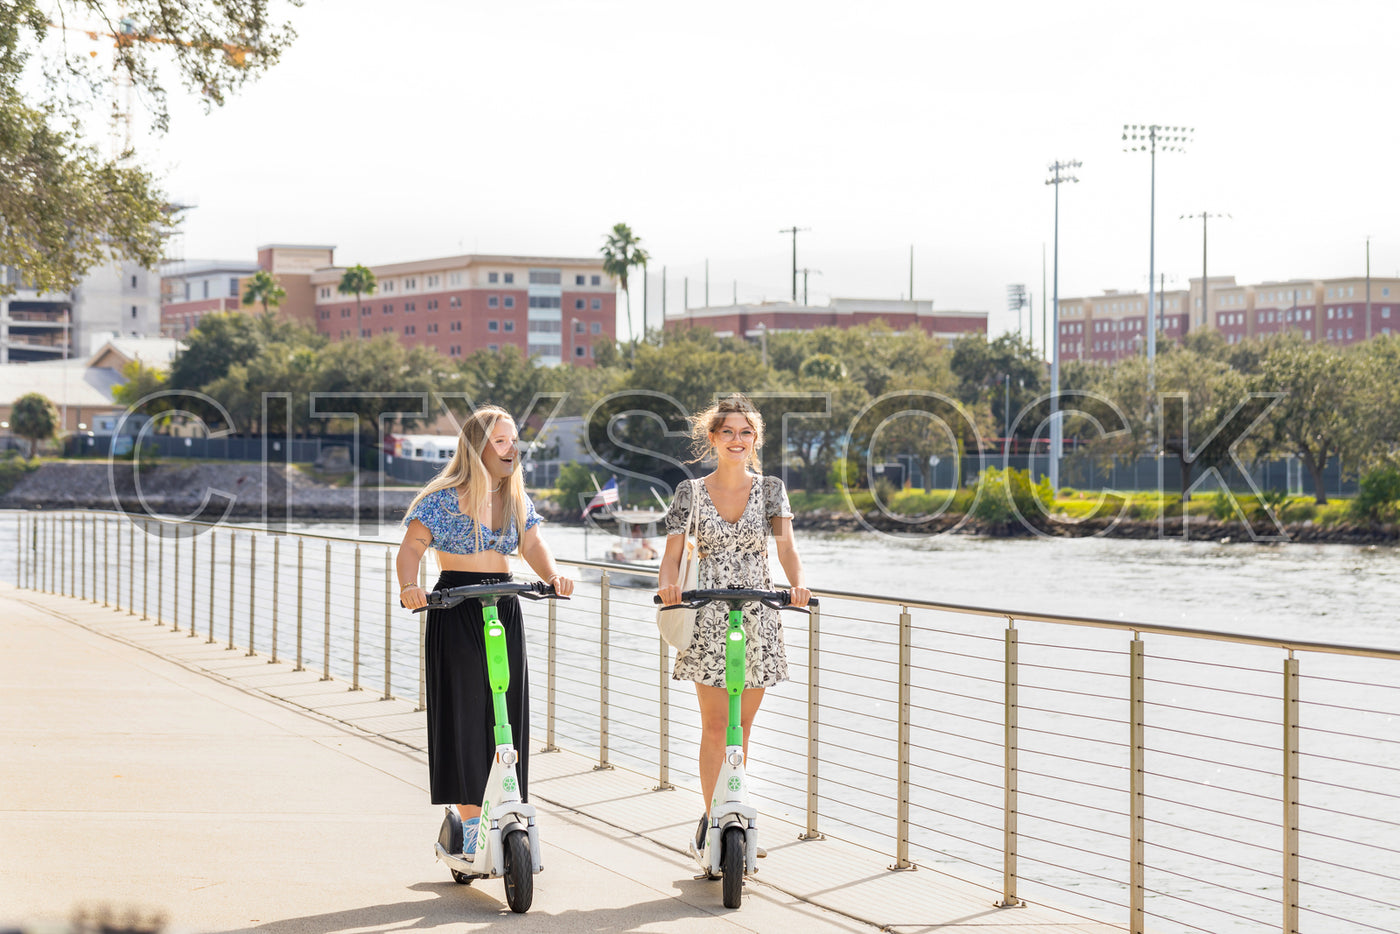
[
  {"x": 731, "y": 862},
  {"x": 520, "y": 872}
]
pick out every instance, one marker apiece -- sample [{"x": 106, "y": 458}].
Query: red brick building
[
  {"x": 556, "y": 308},
  {"x": 753, "y": 320}
]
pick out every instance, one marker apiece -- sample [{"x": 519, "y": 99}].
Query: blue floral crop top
[{"x": 455, "y": 533}]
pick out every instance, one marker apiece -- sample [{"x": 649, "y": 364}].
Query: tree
[
  {"x": 357, "y": 281},
  {"x": 141, "y": 381},
  {"x": 1319, "y": 416},
  {"x": 34, "y": 417},
  {"x": 65, "y": 208},
  {"x": 621, "y": 252},
  {"x": 263, "y": 288},
  {"x": 220, "y": 341}
]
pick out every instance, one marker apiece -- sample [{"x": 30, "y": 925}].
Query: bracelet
[{"x": 408, "y": 585}]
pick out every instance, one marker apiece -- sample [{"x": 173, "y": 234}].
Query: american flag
[{"x": 607, "y": 496}]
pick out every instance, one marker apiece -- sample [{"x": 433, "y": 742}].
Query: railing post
[
  {"x": 160, "y": 573},
  {"x": 326, "y": 651},
  {"x": 389, "y": 618},
  {"x": 603, "y": 626},
  {"x": 1008, "y": 845},
  {"x": 131, "y": 578},
  {"x": 301, "y": 573},
  {"x": 106, "y": 565},
  {"x": 1290, "y": 794},
  {"x": 550, "y": 659},
  {"x": 117, "y": 596},
  {"x": 423, "y": 640},
  {"x": 813, "y": 705},
  {"x": 906, "y": 645},
  {"x": 355, "y": 662},
  {"x": 96, "y": 564},
  {"x": 1137, "y": 730},
  {"x": 663, "y": 716},
  {"x": 232, "y": 578},
  {"x": 276, "y": 592},
  {"x": 72, "y": 532},
  {"x": 194, "y": 579},
  {"x": 252, "y": 587},
  {"x": 146, "y": 569},
  {"x": 175, "y": 583},
  {"x": 213, "y": 554}
]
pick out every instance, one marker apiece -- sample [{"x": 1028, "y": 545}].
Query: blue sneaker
[{"x": 469, "y": 832}]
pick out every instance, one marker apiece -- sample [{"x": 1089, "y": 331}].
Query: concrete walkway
[{"x": 141, "y": 769}]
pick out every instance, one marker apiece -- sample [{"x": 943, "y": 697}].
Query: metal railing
[{"x": 1157, "y": 777}]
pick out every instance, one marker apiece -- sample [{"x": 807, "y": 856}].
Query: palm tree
[
  {"x": 264, "y": 289},
  {"x": 621, "y": 252},
  {"x": 358, "y": 280}
]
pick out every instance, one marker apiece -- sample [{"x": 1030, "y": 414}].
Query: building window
[
  {"x": 133, "y": 311},
  {"x": 366, "y": 310},
  {"x": 431, "y": 328},
  {"x": 387, "y": 285},
  {"x": 454, "y": 278},
  {"x": 433, "y": 281},
  {"x": 508, "y": 277},
  {"x": 544, "y": 301},
  {"x": 410, "y": 284},
  {"x": 545, "y": 277},
  {"x": 510, "y": 301},
  {"x": 1385, "y": 311},
  {"x": 409, "y": 329},
  {"x": 493, "y": 301},
  {"x": 1348, "y": 333},
  {"x": 454, "y": 326},
  {"x": 579, "y": 351},
  {"x": 597, "y": 280},
  {"x": 491, "y": 325},
  {"x": 578, "y": 304},
  {"x": 597, "y": 304},
  {"x": 454, "y": 302},
  {"x": 455, "y": 350},
  {"x": 578, "y": 280},
  {"x": 493, "y": 347},
  {"x": 596, "y": 327},
  {"x": 508, "y": 326},
  {"x": 492, "y": 277}
]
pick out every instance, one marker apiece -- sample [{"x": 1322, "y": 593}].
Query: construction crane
[{"x": 127, "y": 36}]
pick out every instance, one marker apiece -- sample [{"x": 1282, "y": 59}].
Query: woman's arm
[
  {"x": 541, "y": 560},
  {"x": 788, "y": 558},
  {"x": 416, "y": 539},
  {"x": 668, "y": 577}
]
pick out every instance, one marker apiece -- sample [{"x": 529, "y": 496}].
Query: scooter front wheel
[
  {"x": 731, "y": 861},
  {"x": 519, "y": 872}
]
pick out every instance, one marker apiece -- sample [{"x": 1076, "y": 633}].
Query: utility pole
[
  {"x": 794, "y": 230},
  {"x": 805, "y": 271},
  {"x": 663, "y": 296},
  {"x": 1059, "y": 176},
  {"x": 1205, "y": 281},
  {"x": 1044, "y": 309},
  {"x": 1368, "y": 288},
  {"x": 707, "y": 283}
]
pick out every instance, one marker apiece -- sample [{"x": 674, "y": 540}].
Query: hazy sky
[{"x": 423, "y": 128}]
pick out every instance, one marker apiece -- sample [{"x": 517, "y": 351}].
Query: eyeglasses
[{"x": 747, "y": 435}]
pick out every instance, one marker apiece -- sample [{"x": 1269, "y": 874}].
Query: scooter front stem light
[
  {"x": 736, "y": 758},
  {"x": 508, "y": 757}
]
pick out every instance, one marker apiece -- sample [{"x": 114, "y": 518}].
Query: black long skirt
[{"x": 461, "y": 717}]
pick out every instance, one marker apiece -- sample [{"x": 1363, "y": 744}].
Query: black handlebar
[
  {"x": 777, "y": 599},
  {"x": 446, "y": 599}
]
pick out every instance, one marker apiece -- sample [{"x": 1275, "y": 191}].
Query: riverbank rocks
[{"x": 208, "y": 491}]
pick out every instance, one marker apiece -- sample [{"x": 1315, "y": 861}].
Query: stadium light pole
[
  {"x": 1015, "y": 301},
  {"x": 1148, "y": 138},
  {"x": 1059, "y": 175}
]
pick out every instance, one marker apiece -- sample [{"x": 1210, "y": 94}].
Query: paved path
[{"x": 141, "y": 768}]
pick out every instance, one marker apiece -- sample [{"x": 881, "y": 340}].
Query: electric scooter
[
  {"x": 731, "y": 845},
  {"x": 507, "y": 842}
]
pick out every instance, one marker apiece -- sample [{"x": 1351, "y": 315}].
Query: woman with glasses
[
  {"x": 473, "y": 515},
  {"x": 736, "y": 509}
]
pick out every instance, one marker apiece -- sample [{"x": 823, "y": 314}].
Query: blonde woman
[
  {"x": 738, "y": 508},
  {"x": 473, "y": 515}
]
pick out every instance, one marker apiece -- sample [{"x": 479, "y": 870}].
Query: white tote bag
[{"x": 678, "y": 626}]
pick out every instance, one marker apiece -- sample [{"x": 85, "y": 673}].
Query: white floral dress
[{"x": 732, "y": 554}]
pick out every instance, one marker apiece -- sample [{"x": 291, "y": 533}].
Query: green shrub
[
  {"x": 843, "y": 474},
  {"x": 12, "y": 470},
  {"x": 1377, "y": 494},
  {"x": 1004, "y": 493}
]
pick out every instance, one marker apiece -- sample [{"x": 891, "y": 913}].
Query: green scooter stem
[
  {"x": 734, "y": 674},
  {"x": 497, "y": 670}
]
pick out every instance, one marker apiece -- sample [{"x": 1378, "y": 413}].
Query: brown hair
[{"x": 708, "y": 421}]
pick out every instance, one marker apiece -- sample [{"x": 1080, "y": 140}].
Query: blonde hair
[
  {"x": 708, "y": 421},
  {"x": 466, "y": 471}
]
